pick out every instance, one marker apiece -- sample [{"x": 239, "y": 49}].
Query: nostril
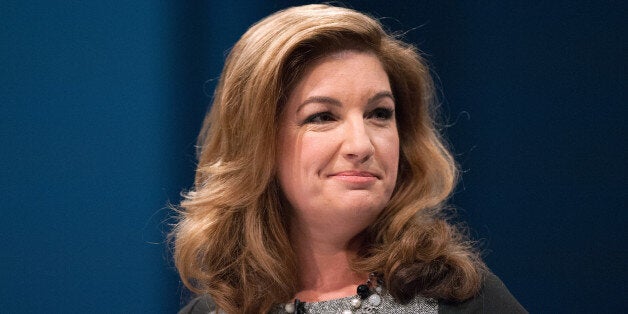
[
  {"x": 357, "y": 144},
  {"x": 361, "y": 155}
]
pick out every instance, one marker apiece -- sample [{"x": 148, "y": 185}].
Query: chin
[
  {"x": 371, "y": 201},
  {"x": 362, "y": 208}
]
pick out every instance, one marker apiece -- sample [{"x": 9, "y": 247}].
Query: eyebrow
[{"x": 337, "y": 103}]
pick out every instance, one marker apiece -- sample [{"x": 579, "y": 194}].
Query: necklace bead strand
[{"x": 369, "y": 293}]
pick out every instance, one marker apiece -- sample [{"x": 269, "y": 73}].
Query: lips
[
  {"x": 355, "y": 177},
  {"x": 354, "y": 173}
]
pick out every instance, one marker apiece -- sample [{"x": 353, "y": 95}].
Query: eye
[
  {"x": 320, "y": 117},
  {"x": 382, "y": 114}
]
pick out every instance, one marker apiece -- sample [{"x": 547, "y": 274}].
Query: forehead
[{"x": 344, "y": 72}]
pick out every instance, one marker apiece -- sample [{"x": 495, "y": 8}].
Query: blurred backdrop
[{"x": 101, "y": 102}]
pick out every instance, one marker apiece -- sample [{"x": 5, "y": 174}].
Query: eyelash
[
  {"x": 380, "y": 114},
  {"x": 320, "y": 117}
]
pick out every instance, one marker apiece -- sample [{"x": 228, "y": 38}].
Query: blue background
[{"x": 101, "y": 103}]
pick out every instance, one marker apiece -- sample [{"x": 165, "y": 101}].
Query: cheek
[
  {"x": 314, "y": 149},
  {"x": 395, "y": 152},
  {"x": 299, "y": 165},
  {"x": 393, "y": 160},
  {"x": 285, "y": 157},
  {"x": 389, "y": 150},
  {"x": 299, "y": 156},
  {"x": 311, "y": 154}
]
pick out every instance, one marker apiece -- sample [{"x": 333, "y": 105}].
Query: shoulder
[
  {"x": 201, "y": 305},
  {"x": 494, "y": 297}
]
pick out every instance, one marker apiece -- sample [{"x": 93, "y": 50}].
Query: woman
[{"x": 321, "y": 178}]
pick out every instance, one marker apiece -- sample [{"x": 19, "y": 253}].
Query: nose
[{"x": 357, "y": 145}]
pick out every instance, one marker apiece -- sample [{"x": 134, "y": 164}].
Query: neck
[{"x": 324, "y": 269}]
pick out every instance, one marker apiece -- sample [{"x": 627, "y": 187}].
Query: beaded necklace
[{"x": 369, "y": 292}]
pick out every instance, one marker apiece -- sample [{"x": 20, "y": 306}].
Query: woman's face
[{"x": 338, "y": 143}]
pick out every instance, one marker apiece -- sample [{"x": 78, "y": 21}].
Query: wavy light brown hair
[{"x": 231, "y": 240}]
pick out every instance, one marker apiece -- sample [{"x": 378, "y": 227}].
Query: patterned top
[
  {"x": 493, "y": 298},
  {"x": 388, "y": 305}
]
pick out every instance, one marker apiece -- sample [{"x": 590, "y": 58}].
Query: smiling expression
[{"x": 338, "y": 143}]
